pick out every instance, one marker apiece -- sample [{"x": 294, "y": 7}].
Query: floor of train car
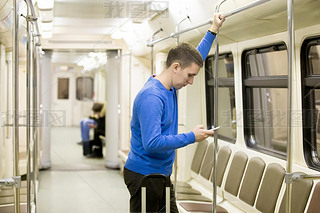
[{"x": 78, "y": 184}]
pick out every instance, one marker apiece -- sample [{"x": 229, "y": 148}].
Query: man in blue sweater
[{"x": 154, "y": 123}]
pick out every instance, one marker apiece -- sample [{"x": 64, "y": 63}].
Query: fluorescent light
[
  {"x": 93, "y": 61},
  {"x": 46, "y": 15},
  {"x": 45, "y": 4}
]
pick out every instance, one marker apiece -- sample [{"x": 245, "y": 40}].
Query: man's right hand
[{"x": 201, "y": 133}]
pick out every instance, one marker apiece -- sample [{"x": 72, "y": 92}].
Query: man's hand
[
  {"x": 92, "y": 126},
  {"x": 201, "y": 133},
  {"x": 217, "y": 22}
]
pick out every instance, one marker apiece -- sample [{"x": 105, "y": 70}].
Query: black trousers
[{"x": 156, "y": 193}]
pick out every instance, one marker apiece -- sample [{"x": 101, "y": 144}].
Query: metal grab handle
[
  {"x": 144, "y": 190},
  {"x": 243, "y": 8},
  {"x": 33, "y": 16},
  {"x": 14, "y": 181},
  {"x": 174, "y": 35},
  {"x": 296, "y": 177}
]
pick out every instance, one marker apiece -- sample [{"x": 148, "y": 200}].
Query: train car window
[
  {"x": 265, "y": 82},
  {"x": 84, "y": 88},
  {"x": 313, "y": 57},
  {"x": 226, "y": 97},
  {"x": 63, "y": 88},
  {"x": 310, "y": 72},
  {"x": 266, "y": 64}
]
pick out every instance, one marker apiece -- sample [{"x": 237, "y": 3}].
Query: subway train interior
[{"x": 260, "y": 83}]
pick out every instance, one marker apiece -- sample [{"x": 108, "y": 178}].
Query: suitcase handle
[{"x": 144, "y": 190}]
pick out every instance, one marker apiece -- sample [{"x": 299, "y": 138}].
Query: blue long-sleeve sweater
[{"x": 154, "y": 125}]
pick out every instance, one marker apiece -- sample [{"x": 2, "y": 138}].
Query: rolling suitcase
[{"x": 144, "y": 190}]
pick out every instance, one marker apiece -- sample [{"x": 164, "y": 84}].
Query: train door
[
  {"x": 62, "y": 96},
  {"x": 83, "y": 97},
  {"x": 72, "y": 94}
]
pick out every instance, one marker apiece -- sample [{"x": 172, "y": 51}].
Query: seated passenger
[
  {"x": 96, "y": 144},
  {"x": 87, "y": 123},
  {"x": 93, "y": 148}
]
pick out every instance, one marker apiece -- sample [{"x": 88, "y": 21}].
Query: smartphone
[{"x": 215, "y": 128}]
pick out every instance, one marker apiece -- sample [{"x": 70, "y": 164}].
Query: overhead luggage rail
[
  {"x": 243, "y": 8},
  {"x": 174, "y": 35},
  {"x": 209, "y": 21}
]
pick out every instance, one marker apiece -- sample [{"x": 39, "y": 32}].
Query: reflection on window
[
  {"x": 310, "y": 67},
  {"x": 268, "y": 118},
  {"x": 317, "y": 119},
  {"x": 314, "y": 60},
  {"x": 265, "y": 99},
  {"x": 63, "y": 88},
  {"x": 226, "y": 96},
  {"x": 267, "y": 63},
  {"x": 84, "y": 88}
]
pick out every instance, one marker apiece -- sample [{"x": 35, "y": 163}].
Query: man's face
[{"x": 183, "y": 77}]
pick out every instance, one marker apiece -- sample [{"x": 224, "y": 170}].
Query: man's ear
[{"x": 175, "y": 66}]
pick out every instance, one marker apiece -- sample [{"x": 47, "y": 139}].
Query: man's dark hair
[
  {"x": 97, "y": 107},
  {"x": 185, "y": 54}
]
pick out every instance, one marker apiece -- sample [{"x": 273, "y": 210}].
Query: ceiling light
[
  {"x": 45, "y": 4},
  {"x": 46, "y": 15}
]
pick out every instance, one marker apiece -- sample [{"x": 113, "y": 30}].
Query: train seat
[
  {"x": 7, "y": 196},
  {"x": 251, "y": 180},
  {"x": 222, "y": 162},
  {"x": 196, "y": 163},
  {"x": 10, "y": 208},
  {"x": 314, "y": 204},
  {"x": 300, "y": 195},
  {"x": 201, "y": 207},
  {"x": 250, "y": 184},
  {"x": 123, "y": 155},
  {"x": 234, "y": 178},
  {"x": 206, "y": 171},
  {"x": 236, "y": 171},
  {"x": 270, "y": 188}
]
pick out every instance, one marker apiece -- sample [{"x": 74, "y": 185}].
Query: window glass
[
  {"x": 317, "y": 105},
  {"x": 265, "y": 99},
  {"x": 226, "y": 96},
  {"x": 268, "y": 118},
  {"x": 84, "y": 88},
  {"x": 310, "y": 72},
  {"x": 267, "y": 64},
  {"x": 313, "y": 56},
  {"x": 227, "y": 112},
  {"x": 63, "y": 88}
]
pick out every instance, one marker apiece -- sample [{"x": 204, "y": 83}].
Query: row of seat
[
  {"x": 7, "y": 198},
  {"x": 245, "y": 184}
]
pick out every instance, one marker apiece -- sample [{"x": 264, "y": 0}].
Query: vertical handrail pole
[
  {"x": 152, "y": 60},
  {"x": 152, "y": 39},
  {"x": 35, "y": 117},
  {"x": 28, "y": 88},
  {"x": 289, "y": 101},
  {"x": 15, "y": 83},
  {"x": 215, "y": 115},
  {"x": 143, "y": 199},
  {"x": 176, "y": 151}
]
